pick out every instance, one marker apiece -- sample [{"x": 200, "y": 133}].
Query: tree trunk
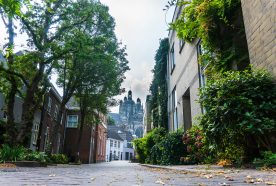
[{"x": 28, "y": 109}]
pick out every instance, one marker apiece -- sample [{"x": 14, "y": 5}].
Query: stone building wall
[{"x": 260, "y": 26}]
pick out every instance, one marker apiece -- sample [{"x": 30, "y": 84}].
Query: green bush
[
  {"x": 37, "y": 156},
  {"x": 19, "y": 153},
  {"x": 268, "y": 159},
  {"x": 159, "y": 147},
  {"x": 198, "y": 150},
  {"x": 169, "y": 150},
  {"x": 59, "y": 158},
  {"x": 240, "y": 110},
  {"x": 8, "y": 153},
  {"x": 144, "y": 145}
]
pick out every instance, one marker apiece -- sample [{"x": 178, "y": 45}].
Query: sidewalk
[{"x": 250, "y": 176}]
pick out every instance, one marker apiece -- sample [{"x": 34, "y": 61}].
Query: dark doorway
[
  {"x": 187, "y": 116},
  {"x": 127, "y": 156}
]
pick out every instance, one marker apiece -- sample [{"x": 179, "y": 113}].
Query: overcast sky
[{"x": 139, "y": 25}]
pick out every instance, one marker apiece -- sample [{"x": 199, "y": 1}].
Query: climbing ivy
[
  {"x": 158, "y": 87},
  {"x": 219, "y": 25}
]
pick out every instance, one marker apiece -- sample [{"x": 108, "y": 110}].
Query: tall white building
[{"x": 185, "y": 76}]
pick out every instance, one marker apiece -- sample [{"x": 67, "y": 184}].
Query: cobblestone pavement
[{"x": 120, "y": 173}]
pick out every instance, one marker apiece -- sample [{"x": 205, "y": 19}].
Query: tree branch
[
  {"x": 32, "y": 32},
  {"x": 15, "y": 74}
]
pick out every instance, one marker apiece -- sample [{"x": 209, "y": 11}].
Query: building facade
[
  {"x": 119, "y": 133},
  {"x": 131, "y": 114},
  {"x": 114, "y": 146},
  {"x": 184, "y": 79},
  {"x": 49, "y": 124},
  {"x": 260, "y": 27}
]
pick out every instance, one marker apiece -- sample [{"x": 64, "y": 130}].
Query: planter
[{"x": 28, "y": 164}]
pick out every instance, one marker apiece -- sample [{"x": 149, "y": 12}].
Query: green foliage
[
  {"x": 19, "y": 153},
  {"x": 268, "y": 159},
  {"x": 197, "y": 146},
  {"x": 59, "y": 159},
  {"x": 159, "y": 147},
  {"x": 144, "y": 145},
  {"x": 37, "y": 156},
  {"x": 158, "y": 87},
  {"x": 240, "y": 105},
  {"x": 219, "y": 25},
  {"x": 110, "y": 121},
  {"x": 8, "y": 153}
]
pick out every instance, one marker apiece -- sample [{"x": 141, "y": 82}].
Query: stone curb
[{"x": 191, "y": 170}]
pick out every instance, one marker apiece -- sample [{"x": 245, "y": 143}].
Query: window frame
[
  {"x": 56, "y": 112},
  {"x": 49, "y": 105},
  {"x": 172, "y": 58},
  {"x": 174, "y": 109},
  {"x": 67, "y": 126}
]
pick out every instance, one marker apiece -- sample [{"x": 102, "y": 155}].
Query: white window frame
[
  {"x": 49, "y": 105},
  {"x": 72, "y": 126},
  {"x": 172, "y": 58},
  {"x": 111, "y": 143},
  {"x": 174, "y": 109},
  {"x": 35, "y": 133},
  {"x": 56, "y": 112}
]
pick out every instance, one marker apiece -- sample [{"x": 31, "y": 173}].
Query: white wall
[{"x": 112, "y": 148}]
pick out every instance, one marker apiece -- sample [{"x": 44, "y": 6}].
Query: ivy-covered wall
[{"x": 260, "y": 28}]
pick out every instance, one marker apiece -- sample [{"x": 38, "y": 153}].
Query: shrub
[
  {"x": 37, "y": 156},
  {"x": 59, "y": 158},
  {"x": 8, "y": 153},
  {"x": 240, "y": 110},
  {"x": 144, "y": 145},
  {"x": 170, "y": 148},
  {"x": 197, "y": 147},
  {"x": 268, "y": 159},
  {"x": 159, "y": 147}
]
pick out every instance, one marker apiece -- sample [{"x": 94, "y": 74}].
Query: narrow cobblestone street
[{"x": 120, "y": 173}]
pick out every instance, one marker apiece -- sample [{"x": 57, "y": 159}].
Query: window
[
  {"x": 56, "y": 112},
  {"x": 35, "y": 132},
  {"x": 172, "y": 58},
  {"x": 111, "y": 143},
  {"x": 174, "y": 109},
  {"x": 119, "y": 144},
  {"x": 46, "y": 139},
  {"x": 49, "y": 106},
  {"x": 202, "y": 66},
  {"x": 181, "y": 45},
  {"x": 72, "y": 121},
  {"x": 5, "y": 115},
  {"x": 115, "y": 144}
]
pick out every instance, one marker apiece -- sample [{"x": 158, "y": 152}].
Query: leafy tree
[
  {"x": 158, "y": 88},
  {"x": 96, "y": 48},
  {"x": 8, "y": 10},
  {"x": 50, "y": 26},
  {"x": 110, "y": 121}
]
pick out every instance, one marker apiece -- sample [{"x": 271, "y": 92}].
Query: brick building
[{"x": 260, "y": 27}]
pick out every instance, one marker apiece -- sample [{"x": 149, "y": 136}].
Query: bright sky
[{"x": 139, "y": 25}]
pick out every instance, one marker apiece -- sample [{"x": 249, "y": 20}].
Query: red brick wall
[{"x": 101, "y": 143}]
